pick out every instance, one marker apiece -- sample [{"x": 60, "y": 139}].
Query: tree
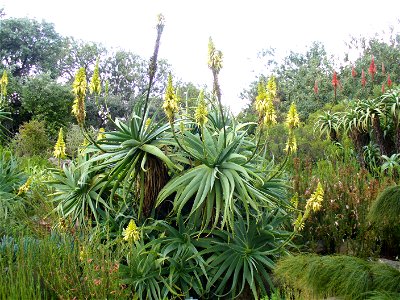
[
  {"x": 296, "y": 77},
  {"x": 126, "y": 74},
  {"x": 28, "y": 46},
  {"x": 47, "y": 100},
  {"x": 77, "y": 54}
]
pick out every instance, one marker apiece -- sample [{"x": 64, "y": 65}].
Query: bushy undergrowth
[
  {"x": 316, "y": 277},
  {"x": 341, "y": 226},
  {"x": 31, "y": 139},
  {"x": 59, "y": 266}
]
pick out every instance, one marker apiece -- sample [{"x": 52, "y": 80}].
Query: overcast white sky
[{"x": 239, "y": 28}]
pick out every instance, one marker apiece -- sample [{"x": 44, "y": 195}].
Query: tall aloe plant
[
  {"x": 133, "y": 160},
  {"x": 221, "y": 184}
]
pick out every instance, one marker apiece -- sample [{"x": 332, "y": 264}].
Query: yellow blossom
[
  {"x": 299, "y": 222},
  {"x": 3, "y": 86},
  {"x": 292, "y": 119},
  {"x": 101, "y": 135},
  {"x": 147, "y": 123},
  {"x": 131, "y": 232},
  {"x": 264, "y": 104},
  {"x": 79, "y": 88},
  {"x": 291, "y": 144},
  {"x": 201, "y": 110},
  {"x": 314, "y": 202},
  {"x": 25, "y": 187},
  {"x": 214, "y": 57},
  {"x": 170, "y": 105},
  {"x": 80, "y": 84},
  {"x": 261, "y": 97},
  {"x": 95, "y": 84},
  {"x": 271, "y": 86},
  {"x": 269, "y": 113},
  {"x": 59, "y": 148}
]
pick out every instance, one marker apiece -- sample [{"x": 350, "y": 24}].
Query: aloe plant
[
  {"x": 77, "y": 191},
  {"x": 243, "y": 260},
  {"x": 11, "y": 178},
  {"x": 132, "y": 158},
  {"x": 220, "y": 182}
]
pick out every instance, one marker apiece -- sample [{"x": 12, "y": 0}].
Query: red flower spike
[
  {"x": 353, "y": 72},
  {"x": 372, "y": 68},
  {"x": 389, "y": 81},
  {"x": 383, "y": 88},
  {"x": 335, "y": 82},
  {"x": 363, "y": 79},
  {"x": 316, "y": 87}
]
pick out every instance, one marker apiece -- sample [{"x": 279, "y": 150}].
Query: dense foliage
[{"x": 156, "y": 191}]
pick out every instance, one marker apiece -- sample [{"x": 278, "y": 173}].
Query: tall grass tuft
[
  {"x": 316, "y": 277},
  {"x": 386, "y": 209}
]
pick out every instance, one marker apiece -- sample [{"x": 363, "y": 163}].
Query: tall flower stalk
[
  {"x": 59, "y": 148},
  {"x": 335, "y": 83},
  {"x": 215, "y": 65},
  {"x": 372, "y": 69},
  {"x": 153, "y": 63},
  {"x": 363, "y": 79},
  {"x": 79, "y": 89},
  {"x": 95, "y": 83},
  {"x": 170, "y": 105},
  {"x": 201, "y": 112},
  {"x": 292, "y": 122},
  {"x": 3, "y": 87}
]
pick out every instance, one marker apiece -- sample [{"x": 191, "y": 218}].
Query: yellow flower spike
[
  {"x": 3, "y": 86},
  {"x": 160, "y": 20},
  {"x": 95, "y": 84},
  {"x": 79, "y": 88},
  {"x": 260, "y": 99},
  {"x": 214, "y": 57},
  {"x": 147, "y": 123},
  {"x": 291, "y": 144},
  {"x": 299, "y": 223},
  {"x": 271, "y": 86},
  {"x": 314, "y": 202},
  {"x": 201, "y": 112},
  {"x": 131, "y": 232},
  {"x": 101, "y": 135},
  {"x": 59, "y": 148},
  {"x": 170, "y": 105},
  {"x": 292, "y": 119},
  {"x": 25, "y": 187},
  {"x": 182, "y": 127},
  {"x": 80, "y": 84},
  {"x": 269, "y": 113}
]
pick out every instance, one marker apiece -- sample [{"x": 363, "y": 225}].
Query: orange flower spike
[
  {"x": 363, "y": 79},
  {"x": 389, "y": 81},
  {"x": 372, "y": 68},
  {"x": 335, "y": 82},
  {"x": 353, "y": 72},
  {"x": 316, "y": 87}
]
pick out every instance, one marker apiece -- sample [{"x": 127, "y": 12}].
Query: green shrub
[{"x": 32, "y": 139}]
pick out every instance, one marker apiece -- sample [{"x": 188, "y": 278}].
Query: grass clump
[
  {"x": 316, "y": 277},
  {"x": 386, "y": 209}
]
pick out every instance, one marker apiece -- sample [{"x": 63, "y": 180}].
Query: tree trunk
[
  {"x": 379, "y": 136},
  {"x": 156, "y": 177}
]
